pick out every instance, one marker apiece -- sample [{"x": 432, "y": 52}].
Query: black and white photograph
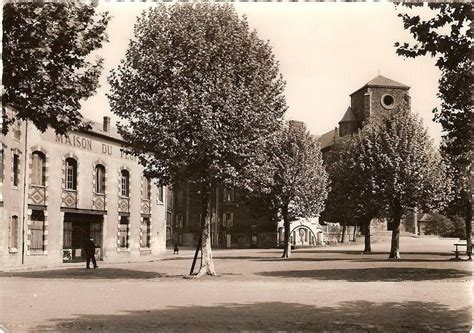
[{"x": 236, "y": 166}]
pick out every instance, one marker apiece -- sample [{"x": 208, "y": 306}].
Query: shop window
[
  {"x": 123, "y": 232},
  {"x": 145, "y": 239},
  {"x": 38, "y": 168},
  {"x": 124, "y": 183},
  {"x": 14, "y": 241},
  {"x": 37, "y": 230},
  {"x": 16, "y": 169},
  {"x": 228, "y": 219},
  {"x": 67, "y": 235},
  {"x": 71, "y": 174},
  {"x": 100, "y": 179},
  {"x": 146, "y": 189},
  {"x": 96, "y": 233}
]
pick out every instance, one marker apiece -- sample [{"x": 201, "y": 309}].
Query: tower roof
[
  {"x": 382, "y": 82},
  {"x": 348, "y": 116}
]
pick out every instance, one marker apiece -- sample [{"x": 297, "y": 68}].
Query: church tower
[{"x": 378, "y": 96}]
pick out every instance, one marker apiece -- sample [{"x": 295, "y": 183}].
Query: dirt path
[{"x": 330, "y": 289}]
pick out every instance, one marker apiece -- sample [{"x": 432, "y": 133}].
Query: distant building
[
  {"x": 375, "y": 97},
  {"x": 232, "y": 225},
  {"x": 59, "y": 191}
]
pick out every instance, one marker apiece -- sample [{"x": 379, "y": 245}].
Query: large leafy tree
[
  {"x": 407, "y": 170},
  {"x": 200, "y": 95},
  {"x": 292, "y": 182},
  {"x": 447, "y": 36},
  {"x": 353, "y": 196},
  {"x": 47, "y": 68}
]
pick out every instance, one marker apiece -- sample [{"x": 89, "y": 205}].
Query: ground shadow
[
  {"x": 384, "y": 274},
  {"x": 279, "y": 259},
  {"x": 355, "y": 316},
  {"x": 322, "y": 251},
  {"x": 368, "y": 259},
  {"x": 85, "y": 274}
]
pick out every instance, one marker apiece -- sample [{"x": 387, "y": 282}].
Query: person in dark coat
[
  {"x": 176, "y": 249},
  {"x": 90, "y": 253}
]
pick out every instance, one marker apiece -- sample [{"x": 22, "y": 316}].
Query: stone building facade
[
  {"x": 59, "y": 191},
  {"x": 377, "y": 96},
  {"x": 232, "y": 225}
]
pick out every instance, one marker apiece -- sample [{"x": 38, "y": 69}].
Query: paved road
[{"x": 327, "y": 289}]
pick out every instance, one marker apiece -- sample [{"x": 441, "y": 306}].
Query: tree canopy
[
  {"x": 200, "y": 94},
  {"x": 47, "y": 68},
  {"x": 447, "y": 36},
  {"x": 406, "y": 169},
  {"x": 353, "y": 198},
  {"x": 293, "y": 182}
]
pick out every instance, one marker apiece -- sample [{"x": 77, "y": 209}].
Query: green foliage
[
  {"x": 353, "y": 197},
  {"x": 445, "y": 227},
  {"x": 200, "y": 94},
  {"x": 293, "y": 181},
  {"x": 46, "y": 66},
  {"x": 406, "y": 170},
  {"x": 447, "y": 36},
  {"x": 451, "y": 48}
]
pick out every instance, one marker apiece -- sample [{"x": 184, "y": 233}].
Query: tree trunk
[
  {"x": 468, "y": 221},
  {"x": 286, "y": 223},
  {"x": 415, "y": 221},
  {"x": 395, "y": 249},
  {"x": 207, "y": 263},
  {"x": 343, "y": 232},
  {"x": 354, "y": 235},
  {"x": 367, "y": 246}
]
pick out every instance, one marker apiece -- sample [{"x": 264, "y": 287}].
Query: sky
[{"x": 326, "y": 51}]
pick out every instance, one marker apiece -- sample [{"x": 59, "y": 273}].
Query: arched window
[
  {"x": 100, "y": 179},
  {"x": 125, "y": 183},
  {"x": 71, "y": 174},
  {"x": 38, "y": 168}
]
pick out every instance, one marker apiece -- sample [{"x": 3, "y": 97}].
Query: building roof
[
  {"x": 328, "y": 139},
  {"x": 382, "y": 82},
  {"x": 348, "y": 116},
  {"x": 97, "y": 129}
]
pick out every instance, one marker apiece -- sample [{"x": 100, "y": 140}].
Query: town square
[
  {"x": 236, "y": 166},
  {"x": 331, "y": 289}
]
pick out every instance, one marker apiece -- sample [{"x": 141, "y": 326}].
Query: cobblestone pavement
[{"x": 317, "y": 289}]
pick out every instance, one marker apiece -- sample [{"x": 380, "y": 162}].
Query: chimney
[{"x": 106, "y": 124}]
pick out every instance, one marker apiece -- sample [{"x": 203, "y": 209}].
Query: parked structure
[
  {"x": 303, "y": 232},
  {"x": 59, "y": 191}
]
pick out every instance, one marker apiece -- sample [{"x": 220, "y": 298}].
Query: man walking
[{"x": 90, "y": 253}]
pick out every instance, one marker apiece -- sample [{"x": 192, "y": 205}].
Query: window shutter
[
  {"x": 231, "y": 219},
  {"x": 224, "y": 222}
]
